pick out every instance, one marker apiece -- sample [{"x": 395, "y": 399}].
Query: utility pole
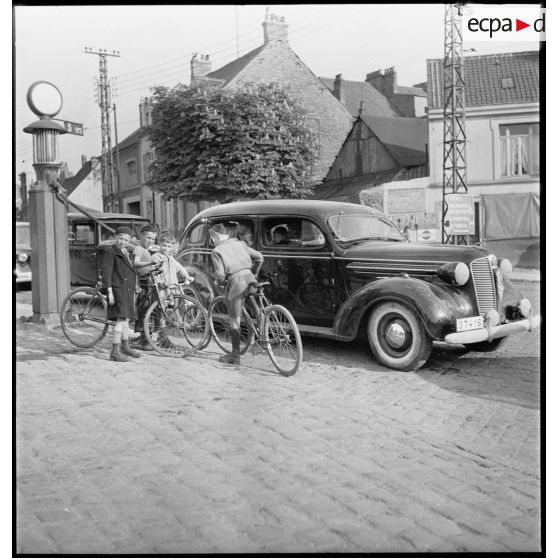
[
  {"x": 118, "y": 185},
  {"x": 454, "y": 181},
  {"x": 107, "y": 165}
]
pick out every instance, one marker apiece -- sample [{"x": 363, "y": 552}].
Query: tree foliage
[{"x": 217, "y": 144}]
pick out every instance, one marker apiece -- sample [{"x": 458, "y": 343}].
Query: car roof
[
  {"x": 101, "y": 215},
  {"x": 310, "y": 208}
]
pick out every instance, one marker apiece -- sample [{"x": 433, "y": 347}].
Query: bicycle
[
  {"x": 84, "y": 322},
  {"x": 83, "y": 315},
  {"x": 175, "y": 324},
  {"x": 270, "y": 326}
]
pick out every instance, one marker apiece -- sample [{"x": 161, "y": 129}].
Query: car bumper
[{"x": 493, "y": 332}]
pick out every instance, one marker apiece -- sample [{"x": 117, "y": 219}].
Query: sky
[{"x": 156, "y": 44}]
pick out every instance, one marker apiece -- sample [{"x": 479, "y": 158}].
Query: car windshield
[
  {"x": 22, "y": 235},
  {"x": 354, "y": 228}
]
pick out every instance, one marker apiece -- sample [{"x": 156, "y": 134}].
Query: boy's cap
[
  {"x": 124, "y": 230},
  {"x": 219, "y": 228}
]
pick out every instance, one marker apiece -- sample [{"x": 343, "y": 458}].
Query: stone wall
[{"x": 277, "y": 63}]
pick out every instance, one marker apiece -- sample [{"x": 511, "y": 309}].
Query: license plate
[{"x": 467, "y": 324}]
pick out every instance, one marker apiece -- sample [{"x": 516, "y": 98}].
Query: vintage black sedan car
[
  {"x": 344, "y": 269},
  {"x": 22, "y": 265}
]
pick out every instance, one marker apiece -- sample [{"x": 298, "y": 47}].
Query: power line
[{"x": 231, "y": 50}]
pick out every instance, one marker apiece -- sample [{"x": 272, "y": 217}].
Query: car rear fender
[{"x": 438, "y": 306}]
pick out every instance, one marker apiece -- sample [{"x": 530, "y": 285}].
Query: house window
[
  {"x": 131, "y": 169},
  {"x": 519, "y": 149}
]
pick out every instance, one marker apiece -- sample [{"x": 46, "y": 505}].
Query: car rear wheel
[{"x": 397, "y": 337}]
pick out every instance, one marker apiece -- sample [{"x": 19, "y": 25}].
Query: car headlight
[
  {"x": 505, "y": 267},
  {"x": 456, "y": 273},
  {"x": 22, "y": 258}
]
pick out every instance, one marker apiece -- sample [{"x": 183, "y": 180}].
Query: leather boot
[
  {"x": 116, "y": 353},
  {"x": 127, "y": 350},
  {"x": 233, "y": 358}
]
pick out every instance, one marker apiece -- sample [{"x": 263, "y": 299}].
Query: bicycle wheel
[
  {"x": 178, "y": 327},
  {"x": 83, "y": 317},
  {"x": 220, "y": 326},
  {"x": 281, "y": 339}
]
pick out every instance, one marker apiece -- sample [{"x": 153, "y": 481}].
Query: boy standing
[
  {"x": 171, "y": 269},
  {"x": 142, "y": 257},
  {"x": 119, "y": 277}
]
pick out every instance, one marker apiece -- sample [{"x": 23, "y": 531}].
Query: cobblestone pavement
[{"x": 187, "y": 455}]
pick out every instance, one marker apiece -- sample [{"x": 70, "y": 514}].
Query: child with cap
[{"x": 119, "y": 276}]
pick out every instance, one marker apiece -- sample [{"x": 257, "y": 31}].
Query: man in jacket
[{"x": 237, "y": 263}]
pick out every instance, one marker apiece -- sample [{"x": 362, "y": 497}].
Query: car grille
[{"x": 483, "y": 280}]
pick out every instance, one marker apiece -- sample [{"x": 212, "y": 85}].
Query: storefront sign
[{"x": 460, "y": 216}]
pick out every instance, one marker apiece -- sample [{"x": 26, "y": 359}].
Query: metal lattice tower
[
  {"x": 104, "y": 101},
  {"x": 454, "y": 162}
]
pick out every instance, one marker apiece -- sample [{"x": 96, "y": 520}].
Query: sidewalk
[{"x": 524, "y": 274}]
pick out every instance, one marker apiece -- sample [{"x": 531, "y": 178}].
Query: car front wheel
[{"x": 397, "y": 337}]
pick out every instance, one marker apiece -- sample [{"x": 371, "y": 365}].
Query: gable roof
[
  {"x": 404, "y": 138},
  {"x": 72, "y": 182},
  {"x": 132, "y": 139},
  {"x": 232, "y": 69},
  {"x": 483, "y": 79},
  {"x": 374, "y": 103}
]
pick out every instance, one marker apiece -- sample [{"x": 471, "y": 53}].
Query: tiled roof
[
  {"x": 404, "y": 138},
  {"x": 483, "y": 79},
  {"x": 374, "y": 103},
  {"x": 230, "y": 70}
]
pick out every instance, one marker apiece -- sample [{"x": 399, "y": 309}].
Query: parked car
[
  {"x": 345, "y": 270},
  {"x": 22, "y": 266},
  {"x": 85, "y": 236}
]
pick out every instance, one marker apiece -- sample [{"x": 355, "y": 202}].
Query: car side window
[
  {"x": 292, "y": 232},
  {"x": 198, "y": 234},
  {"x": 82, "y": 234}
]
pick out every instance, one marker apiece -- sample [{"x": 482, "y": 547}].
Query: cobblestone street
[{"x": 166, "y": 455}]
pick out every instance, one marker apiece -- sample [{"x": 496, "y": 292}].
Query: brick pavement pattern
[{"x": 167, "y": 455}]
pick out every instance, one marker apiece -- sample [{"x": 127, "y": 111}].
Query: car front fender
[{"x": 437, "y": 305}]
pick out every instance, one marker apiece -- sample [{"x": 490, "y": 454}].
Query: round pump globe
[{"x": 44, "y": 98}]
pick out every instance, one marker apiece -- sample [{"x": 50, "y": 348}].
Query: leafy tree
[{"x": 217, "y": 144}]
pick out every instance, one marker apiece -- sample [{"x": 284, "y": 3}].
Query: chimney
[
  {"x": 83, "y": 160},
  {"x": 338, "y": 89},
  {"x": 384, "y": 81},
  {"x": 275, "y": 30},
  {"x": 200, "y": 66},
  {"x": 145, "y": 109}
]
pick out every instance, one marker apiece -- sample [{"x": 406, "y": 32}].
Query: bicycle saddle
[{"x": 257, "y": 285}]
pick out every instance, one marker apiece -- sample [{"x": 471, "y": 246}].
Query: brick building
[
  {"x": 503, "y": 159},
  {"x": 275, "y": 62}
]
